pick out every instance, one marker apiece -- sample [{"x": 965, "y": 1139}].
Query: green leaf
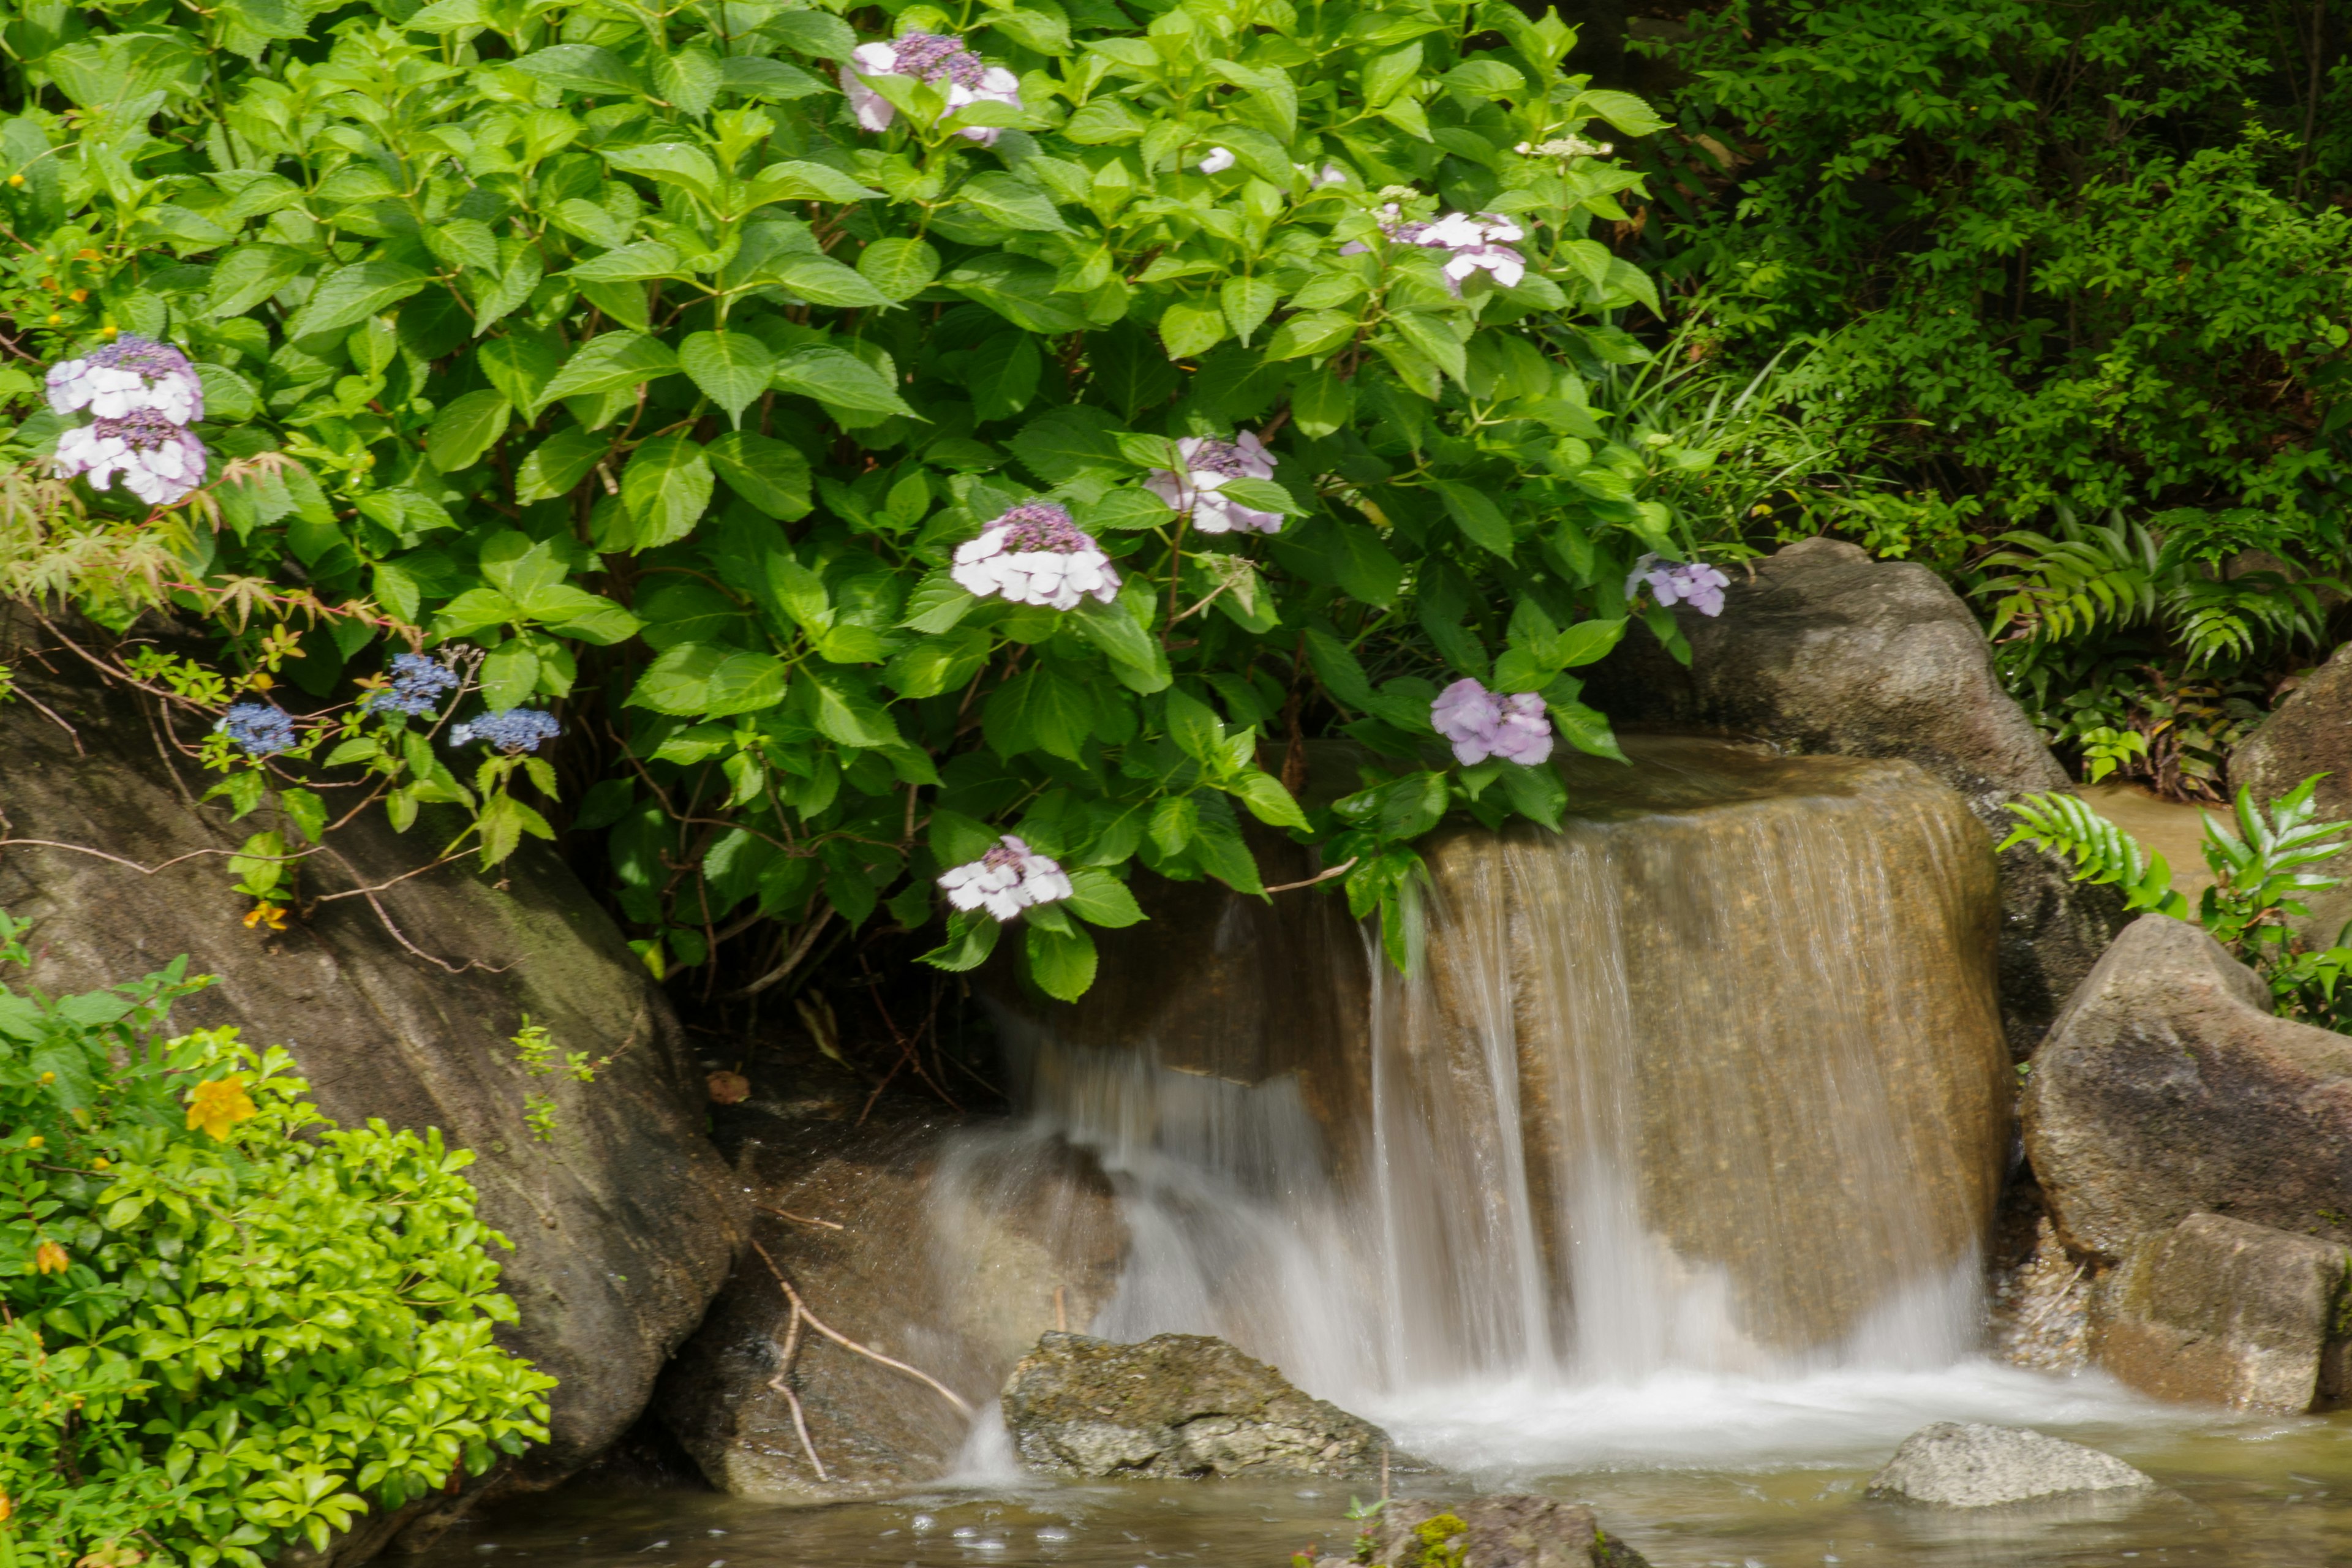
[
  {"x": 1100, "y": 899},
  {"x": 509, "y": 675},
  {"x": 689, "y": 79},
  {"x": 630, "y": 264},
  {"x": 1101, "y": 122},
  {"x": 1269, "y": 802},
  {"x": 839, "y": 379},
  {"x": 772, "y": 475},
  {"x": 466, "y": 428},
  {"x": 667, "y": 488},
  {"x": 557, "y": 464},
  {"x": 1337, "y": 669},
  {"x": 1062, "y": 962},
  {"x": 1113, "y": 628},
  {"x": 1622, "y": 110},
  {"x": 1188, "y": 328},
  {"x": 1314, "y": 332},
  {"x": 753, "y": 76},
  {"x": 704, "y": 680},
  {"x": 1264, "y": 495},
  {"x": 1013, "y": 202},
  {"x": 1475, "y": 514},
  {"x": 1041, "y": 710},
  {"x": 821, "y": 281},
  {"x": 351, "y": 294},
  {"x": 1021, "y": 290},
  {"x": 937, "y": 664},
  {"x": 938, "y": 602},
  {"x": 1247, "y": 302},
  {"x": 731, "y": 368},
  {"x": 899, "y": 268},
  {"x": 794, "y": 180},
  {"x": 582, "y": 68},
  {"x": 251, "y": 273},
  {"x": 1385, "y": 76},
  {"x": 842, "y": 711},
  {"x": 609, "y": 363},
  {"x": 1062, "y": 443},
  {"x": 1587, "y": 642},
  {"x": 971, "y": 937}
]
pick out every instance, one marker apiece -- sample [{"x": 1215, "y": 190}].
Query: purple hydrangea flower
[
  {"x": 158, "y": 462},
  {"x": 1007, "y": 880},
  {"x": 511, "y": 730},
  {"x": 1034, "y": 554},
  {"x": 1483, "y": 724},
  {"x": 259, "y": 728},
  {"x": 1695, "y": 583},
  {"x": 928, "y": 57},
  {"x": 1208, "y": 464},
  {"x": 1480, "y": 244},
  {"x": 129, "y": 375},
  {"x": 418, "y": 685}
]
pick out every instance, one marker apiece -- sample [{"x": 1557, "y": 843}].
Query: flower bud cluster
[
  {"x": 509, "y": 730},
  {"x": 1034, "y": 554},
  {"x": 1483, "y": 724},
  {"x": 1007, "y": 880},
  {"x": 143, "y": 395},
  {"x": 418, "y": 685},
  {"x": 940, "y": 61},
  {"x": 259, "y": 728},
  {"x": 1209, "y": 464}
]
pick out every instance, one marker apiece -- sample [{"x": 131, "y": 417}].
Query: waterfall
[{"x": 1710, "y": 1082}]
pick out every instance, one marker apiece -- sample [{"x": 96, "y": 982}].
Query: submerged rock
[
  {"x": 1502, "y": 1532},
  {"x": 1176, "y": 1407},
  {"x": 1971, "y": 1465},
  {"x": 401, "y": 1005},
  {"x": 2222, "y": 1313},
  {"x": 2169, "y": 1087},
  {"x": 1821, "y": 649}
]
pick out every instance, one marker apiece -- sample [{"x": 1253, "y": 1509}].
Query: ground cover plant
[
  {"x": 825, "y": 455},
  {"x": 225, "y": 1325}
]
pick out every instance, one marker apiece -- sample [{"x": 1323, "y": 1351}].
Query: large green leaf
[
  {"x": 731, "y": 368},
  {"x": 838, "y": 379},
  {"x": 772, "y": 475},
  {"x": 351, "y": 294},
  {"x": 609, "y": 363},
  {"x": 667, "y": 488},
  {"x": 465, "y": 429},
  {"x": 707, "y": 681}
]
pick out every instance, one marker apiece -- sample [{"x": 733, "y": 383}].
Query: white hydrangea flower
[
  {"x": 129, "y": 375},
  {"x": 1010, "y": 877},
  {"x": 1477, "y": 243},
  {"x": 1209, "y": 463},
  {"x": 1218, "y": 159},
  {"x": 1034, "y": 554},
  {"x": 158, "y": 462},
  {"x": 932, "y": 57}
]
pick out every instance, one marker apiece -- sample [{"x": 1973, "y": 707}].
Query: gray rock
[
  {"x": 1173, "y": 1407},
  {"x": 2169, "y": 1088},
  {"x": 1821, "y": 649},
  {"x": 943, "y": 1248},
  {"x": 623, "y": 1224},
  {"x": 1502, "y": 1532},
  {"x": 2309, "y": 733},
  {"x": 1956, "y": 1464},
  {"x": 2217, "y": 1312}
]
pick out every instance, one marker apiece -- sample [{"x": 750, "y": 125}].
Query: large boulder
[
  {"x": 1969, "y": 1465},
  {"x": 2218, "y": 1312},
  {"x": 1506, "y": 1530},
  {"x": 1821, "y": 649},
  {"x": 2168, "y": 1088},
  {"x": 2310, "y": 732},
  {"x": 946, "y": 1247},
  {"x": 1175, "y": 1407},
  {"x": 399, "y": 1003}
]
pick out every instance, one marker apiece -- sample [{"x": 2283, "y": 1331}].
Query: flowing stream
[{"x": 1659, "y": 1180}]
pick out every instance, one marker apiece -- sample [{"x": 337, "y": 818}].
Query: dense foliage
[
  {"x": 225, "y": 1325},
  {"x": 616, "y": 355},
  {"x": 2069, "y": 281}
]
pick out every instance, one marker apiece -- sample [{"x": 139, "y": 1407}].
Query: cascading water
[{"x": 1709, "y": 1085}]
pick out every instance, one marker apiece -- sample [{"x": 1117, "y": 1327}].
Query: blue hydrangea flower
[
  {"x": 511, "y": 730},
  {"x": 260, "y": 729},
  {"x": 417, "y": 684}
]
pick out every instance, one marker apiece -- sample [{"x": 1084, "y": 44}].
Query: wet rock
[
  {"x": 1824, "y": 649},
  {"x": 2167, "y": 1088},
  {"x": 1501, "y": 1532},
  {"x": 945, "y": 1248},
  {"x": 1175, "y": 1406},
  {"x": 1956, "y": 1464},
  {"x": 2220, "y": 1312},
  {"x": 2309, "y": 733},
  {"x": 623, "y": 1222}
]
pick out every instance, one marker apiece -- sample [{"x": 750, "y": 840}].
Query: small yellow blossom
[
  {"x": 36, "y": 1141},
  {"x": 6, "y": 1508},
  {"x": 99, "y": 1164},
  {"x": 265, "y": 914},
  {"x": 220, "y": 1105},
  {"x": 48, "y": 1078},
  {"x": 49, "y": 1258}
]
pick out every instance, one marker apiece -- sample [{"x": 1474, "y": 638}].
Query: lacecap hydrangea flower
[
  {"x": 943, "y": 62},
  {"x": 509, "y": 730},
  {"x": 157, "y": 461},
  {"x": 1695, "y": 583},
  {"x": 1007, "y": 880},
  {"x": 1209, "y": 463},
  {"x": 1483, "y": 724},
  {"x": 1034, "y": 554},
  {"x": 1473, "y": 244},
  {"x": 259, "y": 728},
  {"x": 418, "y": 685},
  {"x": 129, "y": 375}
]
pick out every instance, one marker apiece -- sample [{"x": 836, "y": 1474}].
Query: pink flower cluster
[
  {"x": 1209, "y": 463},
  {"x": 1483, "y": 724},
  {"x": 1695, "y": 583},
  {"x": 1034, "y": 554},
  {"x": 143, "y": 395},
  {"x": 1480, "y": 244},
  {"x": 1007, "y": 880},
  {"x": 932, "y": 57}
]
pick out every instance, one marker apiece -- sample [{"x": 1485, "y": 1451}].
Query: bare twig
[
  {"x": 1342, "y": 869},
  {"x": 50, "y": 713},
  {"x": 783, "y": 1370},
  {"x": 135, "y": 865},
  {"x": 799, "y": 1218},
  {"x": 800, "y": 1309},
  {"x": 791, "y": 960}
]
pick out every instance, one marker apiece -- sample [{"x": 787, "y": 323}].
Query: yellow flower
[
  {"x": 220, "y": 1105},
  {"x": 36, "y": 1141},
  {"x": 265, "y": 914},
  {"x": 48, "y": 1078},
  {"x": 98, "y": 1163},
  {"x": 6, "y": 1508},
  {"x": 49, "y": 1258}
]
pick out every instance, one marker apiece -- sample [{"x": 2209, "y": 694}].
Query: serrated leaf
[
  {"x": 839, "y": 379},
  {"x": 630, "y": 264},
  {"x": 772, "y": 475},
  {"x": 1013, "y": 202},
  {"x": 1186, "y": 328},
  {"x": 733, "y": 369},
  {"x": 689, "y": 78},
  {"x": 609, "y": 363},
  {"x": 557, "y": 464},
  {"x": 466, "y": 428},
  {"x": 821, "y": 281},
  {"x": 250, "y": 274},
  {"x": 351, "y": 294},
  {"x": 582, "y": 68},
  {"x": 667, "y": 488},
  {"x": 1247, "y": 302},
  {"x": 797, "y": 181},
  {"x": 899, "y": 268}
]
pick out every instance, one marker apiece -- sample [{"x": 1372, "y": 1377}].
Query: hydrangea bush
[
  {"x": 857, "y": 446},
  {"x": 226, "y": 1327}
]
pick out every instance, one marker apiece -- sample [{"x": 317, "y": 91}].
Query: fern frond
[{"x": 2102, "y": 853}]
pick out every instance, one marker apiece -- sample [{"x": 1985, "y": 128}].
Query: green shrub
[
  {"x": 605, "y": 349},
  {"x": 226, "y": 1326}
]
